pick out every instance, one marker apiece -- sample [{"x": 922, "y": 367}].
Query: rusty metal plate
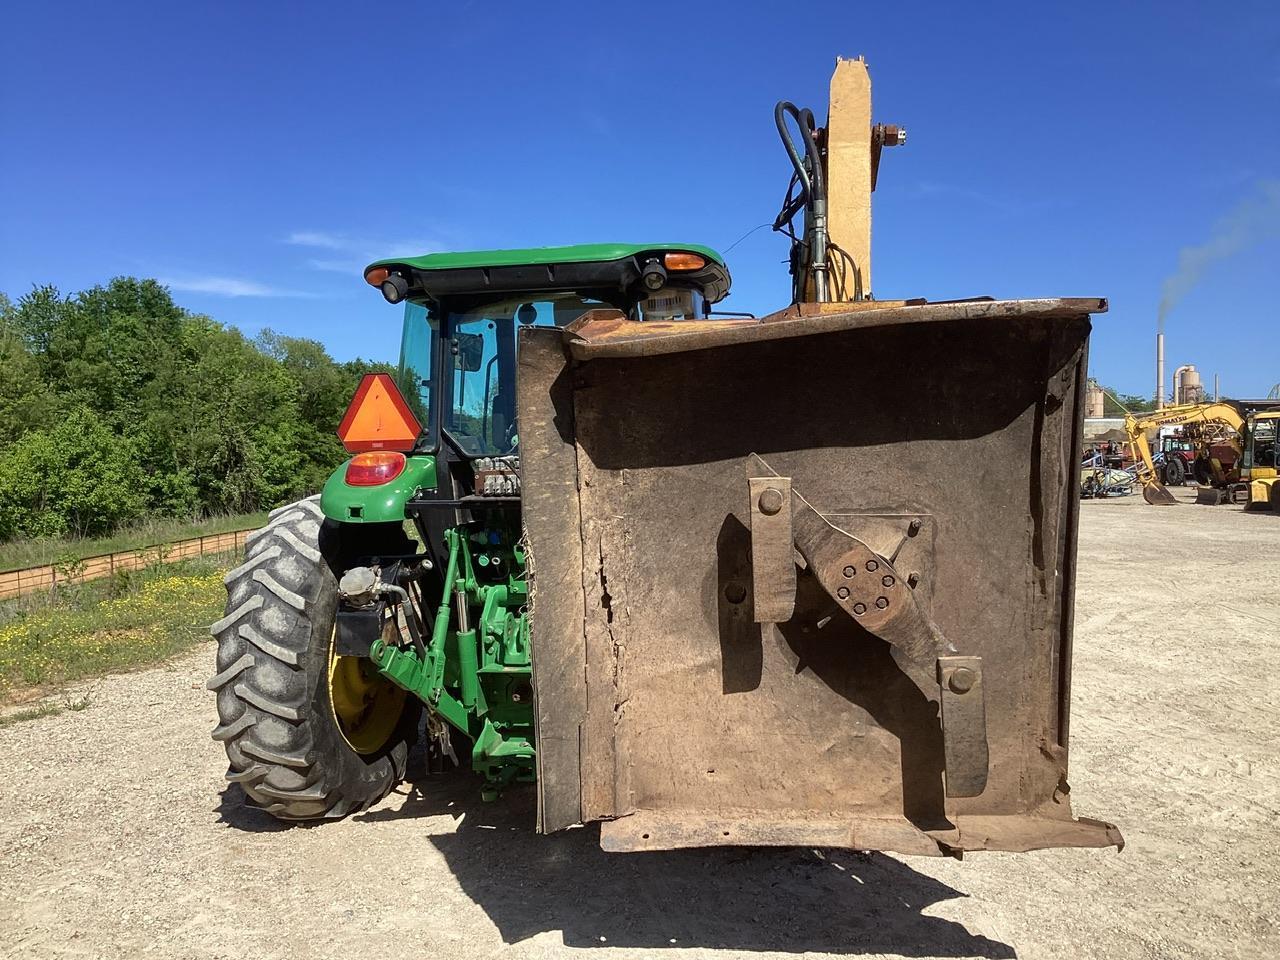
[
  {"x": 549, "y": 480},
  {"x": 773, "y": 566},
  {"x": 682, "y": 713},
  {"x": 964, "y": 725},
  {"x": 621, "y": 338}
]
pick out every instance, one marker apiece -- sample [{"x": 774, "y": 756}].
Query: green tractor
[
  {"x": 703, "y": 578},
  {"x": 340, "y": 626}
]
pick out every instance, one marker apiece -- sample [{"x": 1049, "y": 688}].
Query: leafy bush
[
  {"x": 77, "y": 478},
  {"x": 116, "y": 403}
]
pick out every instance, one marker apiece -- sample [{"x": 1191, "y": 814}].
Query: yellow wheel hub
[{"x": 366, "y": 705}]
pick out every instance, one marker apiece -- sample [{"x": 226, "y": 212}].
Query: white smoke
[{"x": 1253, "y": 219}]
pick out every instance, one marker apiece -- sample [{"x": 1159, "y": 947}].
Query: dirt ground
[{"x": 118, "y": 837}]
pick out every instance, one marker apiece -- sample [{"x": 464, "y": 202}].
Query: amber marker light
[
  {"x": 684, "y": 261},
  {"x": 375, "y": 276}
]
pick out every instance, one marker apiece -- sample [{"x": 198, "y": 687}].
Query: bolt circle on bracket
[
  {"x": 887, "y": 580},
  {"x": 850, "y": 570},
  {"x": 859, "y": 608},
  {"x": 882, "y": 602},
  {"x": 770, "y": 501},
  {"x": 843, "y": 593},
  {"x": 735, "y": 592},
  {"x": 962, "y": 680},
  {"x": 872, "y": 566}
]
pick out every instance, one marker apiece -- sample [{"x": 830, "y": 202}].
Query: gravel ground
[{"x": 118, "y": 837}]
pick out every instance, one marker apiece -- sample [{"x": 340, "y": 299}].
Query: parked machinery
[
  {"x": 1261, "y": 458},
  {"x": 709, "y": 581},
  {"x": 1207, "y": 427}
]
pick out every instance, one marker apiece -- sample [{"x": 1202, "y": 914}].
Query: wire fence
[{"x": 17, "y": 583}]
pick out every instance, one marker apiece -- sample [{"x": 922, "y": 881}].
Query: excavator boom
[{"x": 1136, "y": 428}]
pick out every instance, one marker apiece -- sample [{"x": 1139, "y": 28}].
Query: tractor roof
[
  {"x": 539, "y": 256},
  {"x": 581, "y": 266}
]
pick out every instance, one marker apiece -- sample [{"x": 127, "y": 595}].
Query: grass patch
[
  {"x": 117, "y": 623},
  {"x": 48, "y": 708},
  {"x": 17, "y": 554}
]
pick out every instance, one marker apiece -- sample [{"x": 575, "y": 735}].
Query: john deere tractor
[
  {"x": 705, "y": 578},
  {"x": 340, "y": 625}
]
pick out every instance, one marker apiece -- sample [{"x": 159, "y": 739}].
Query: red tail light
[{"x": 374, "y": 468}]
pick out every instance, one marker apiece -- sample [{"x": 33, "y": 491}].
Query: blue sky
[{"x": 255, "y": 155}]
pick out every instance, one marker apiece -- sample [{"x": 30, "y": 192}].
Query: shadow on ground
[
  {"x": 788, "y": 900},
  {"x": 234, "y": 810}
]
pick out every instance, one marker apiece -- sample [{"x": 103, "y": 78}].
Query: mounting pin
[{"x": 770, "y": 501}]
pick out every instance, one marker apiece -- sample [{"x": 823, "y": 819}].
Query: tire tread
[{"x": 268, "y": 667}]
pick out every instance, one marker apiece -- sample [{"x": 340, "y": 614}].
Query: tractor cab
[
  {"x": 457, "y": 372},
  {"x": 464, "y": 312}
]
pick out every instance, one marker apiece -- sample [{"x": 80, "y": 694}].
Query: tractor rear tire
[
  {"x": 275, "y": 716},
  {"x": 1175, "y": 472},
  {"x": 1202, "y": 471}
]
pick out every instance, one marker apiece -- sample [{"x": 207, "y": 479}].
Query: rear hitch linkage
[{"x": 867, "y": 587}]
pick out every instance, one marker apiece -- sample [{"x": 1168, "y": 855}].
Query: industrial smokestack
[
  {"x": 1216, "y": 395},
  {"x": 1160, "y": 370}
]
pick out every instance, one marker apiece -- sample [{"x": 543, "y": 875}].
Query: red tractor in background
[{"x": 1187, "y": 456}]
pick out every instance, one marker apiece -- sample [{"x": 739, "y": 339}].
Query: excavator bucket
[
  {"x": 1158, "y": 495},
  {"x": 1211, "y": 496},
  {"x": 807, "y": 579}
]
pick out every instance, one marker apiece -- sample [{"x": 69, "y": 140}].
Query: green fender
[{"x": 382, "y": 504}]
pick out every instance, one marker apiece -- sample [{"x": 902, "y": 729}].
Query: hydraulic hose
[{"x": 813, "y": 196}]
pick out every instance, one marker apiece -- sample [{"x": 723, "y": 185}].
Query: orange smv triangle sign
[{"x": 378, "y": 418}]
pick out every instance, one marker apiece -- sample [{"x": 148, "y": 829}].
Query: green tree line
[
  {"x": 116, "y": 403},
  {"x": 1127, "y": 403}
]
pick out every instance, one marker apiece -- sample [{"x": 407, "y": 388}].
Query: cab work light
[
  {"x": 394, "y": 287},
  {"x": 653, "y": 275}
]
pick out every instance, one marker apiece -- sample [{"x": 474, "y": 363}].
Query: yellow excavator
[
  {"x": 1206, "y": 425},
  {"x": 1252, "y": 470}
]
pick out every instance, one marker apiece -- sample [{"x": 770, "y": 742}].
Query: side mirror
[{"x": 469, "y": 349}]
